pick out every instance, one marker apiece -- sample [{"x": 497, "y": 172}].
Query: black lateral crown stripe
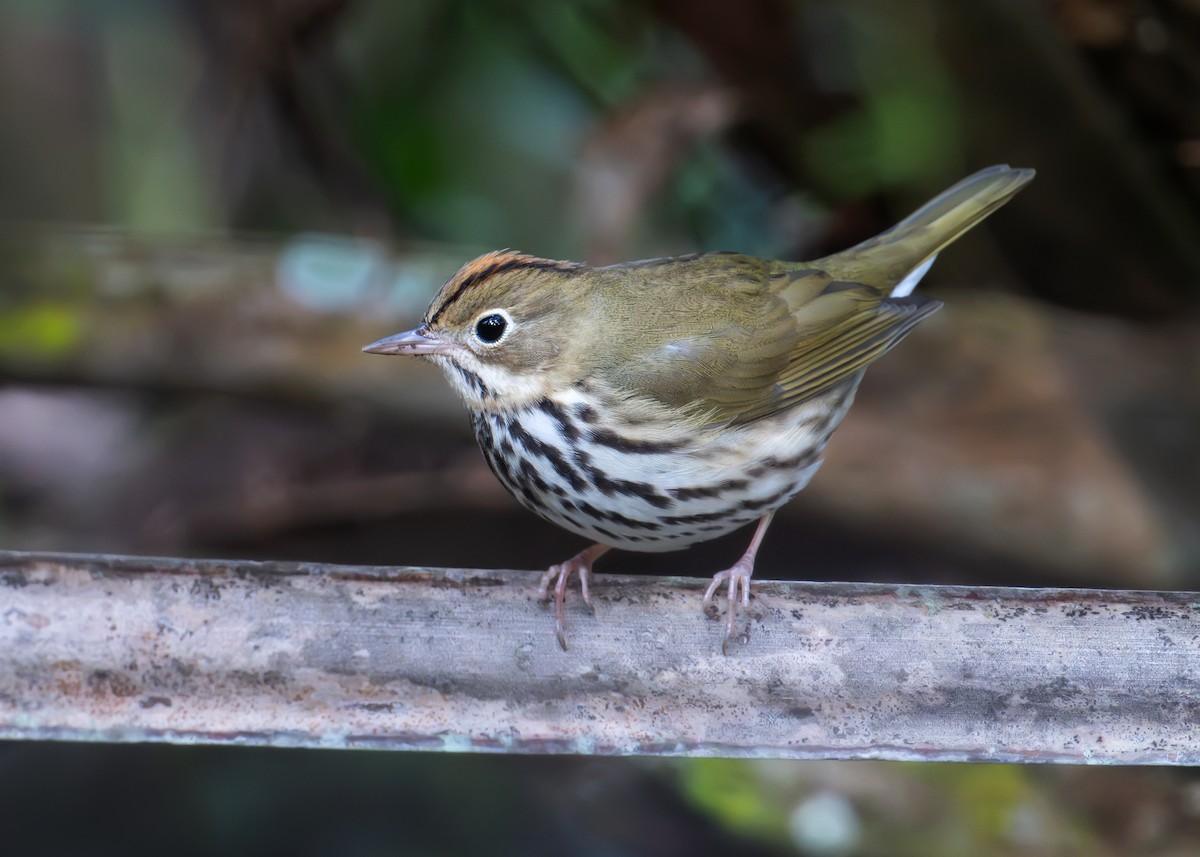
[{"x": 499, "y": 267}]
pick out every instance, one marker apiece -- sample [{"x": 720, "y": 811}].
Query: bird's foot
[
  {"x": 580, "y": 564},
  {"x": 738, "y": 580}
]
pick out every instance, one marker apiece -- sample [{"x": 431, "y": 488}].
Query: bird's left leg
[
  {"x": 580, "y": 564},
  {"x": 738, "y": 577}
]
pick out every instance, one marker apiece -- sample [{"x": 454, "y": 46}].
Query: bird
[{"x": 652, "y": 405}]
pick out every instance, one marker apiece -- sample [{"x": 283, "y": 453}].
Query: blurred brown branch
[{"x": 267, "y": 64}]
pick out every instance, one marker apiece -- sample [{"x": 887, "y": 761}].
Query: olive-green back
[{"x": 730, "y": 339}]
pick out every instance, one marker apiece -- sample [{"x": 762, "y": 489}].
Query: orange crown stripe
[{"x": 486, "y": 266}]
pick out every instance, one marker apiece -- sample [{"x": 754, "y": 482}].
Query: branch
[{"x": 135, "y": 649}]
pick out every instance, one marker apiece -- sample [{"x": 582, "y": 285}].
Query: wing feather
[
  {"x": 745, "y": 339},
  {"x": 776, "y": 338}
]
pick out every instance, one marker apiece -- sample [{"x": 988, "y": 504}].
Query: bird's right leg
[
  {"x": 580, "y": 564},
  {"x": 738, "y": 579}
]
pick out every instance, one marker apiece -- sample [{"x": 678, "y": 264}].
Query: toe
[{"x": 543, "y": 590}]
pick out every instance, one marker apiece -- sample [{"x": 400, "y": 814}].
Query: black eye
[{"x": 490, "y": 328}]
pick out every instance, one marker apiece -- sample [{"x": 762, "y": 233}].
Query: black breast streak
[
  {"x": 604, "y": 437},
  {"x": 609, "y": 486},
  {"x": 530, "y": 476},
  {"x": 521, "y": 476},
  {"x": 709, "y": 491},
  {"x": 702, "y": 518},
  {"x": 586, "y": 413},
  {"x": 804, "y": 459},
  {"x": 776, "y": 499},
  {"x": 579, "y": 525},
  {"x": 616, "y": 518},
  {"x": 569, "y": 431},
  {"x": 473, "y": 381},
  {"x": 552, "y": 455},
  {"x": 516, "y": 472},
  {"x": 497, "y": 463}
]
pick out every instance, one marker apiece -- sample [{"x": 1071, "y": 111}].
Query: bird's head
[{"x": 504, "y": 329}]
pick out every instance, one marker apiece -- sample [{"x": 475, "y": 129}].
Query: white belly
[{"x": 681, "y": 487}]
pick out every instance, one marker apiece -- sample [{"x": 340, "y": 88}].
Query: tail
[{"x": 895, "y": 260}]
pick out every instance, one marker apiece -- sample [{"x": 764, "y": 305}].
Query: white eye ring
[{"x": 492, "y": 327}]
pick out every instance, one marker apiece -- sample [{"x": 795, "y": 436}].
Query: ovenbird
[{"x": 652, "y": 405}]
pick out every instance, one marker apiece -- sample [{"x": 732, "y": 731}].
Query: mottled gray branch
[{"x": 136, "y": 649}]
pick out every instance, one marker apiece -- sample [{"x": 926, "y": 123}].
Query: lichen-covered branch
[{"x": 136, "y": 649}]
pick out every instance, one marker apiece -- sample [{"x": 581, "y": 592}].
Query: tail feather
[{"x": 887, "y": 260}]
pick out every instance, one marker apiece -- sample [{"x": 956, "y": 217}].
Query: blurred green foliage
[
  {"x": 464, "y": 120},
  {"x": 734, "y": 793},
  {"x": 39, "y": 330}
]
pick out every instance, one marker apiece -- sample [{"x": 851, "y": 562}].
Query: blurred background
[{"x": 208, "y": 206}]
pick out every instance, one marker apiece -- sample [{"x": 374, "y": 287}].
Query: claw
[
  {"x": 580, "y": 564},
  {"x": 738, "y": 578}
]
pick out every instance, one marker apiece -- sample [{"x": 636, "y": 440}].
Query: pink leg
[
  {"x": 581, "y": 563},
  {"x": 739, "y": 580}
]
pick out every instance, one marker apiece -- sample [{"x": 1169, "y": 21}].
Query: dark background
[{"x": 208, "y": 207}]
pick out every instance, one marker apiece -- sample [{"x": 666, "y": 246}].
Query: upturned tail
[{"x": 894, "y": 260}]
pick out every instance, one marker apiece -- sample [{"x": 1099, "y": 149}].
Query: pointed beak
[{"x": 415, "y": 341}]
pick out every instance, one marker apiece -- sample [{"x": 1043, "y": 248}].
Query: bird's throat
[{"x": 491, "y": 388}]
